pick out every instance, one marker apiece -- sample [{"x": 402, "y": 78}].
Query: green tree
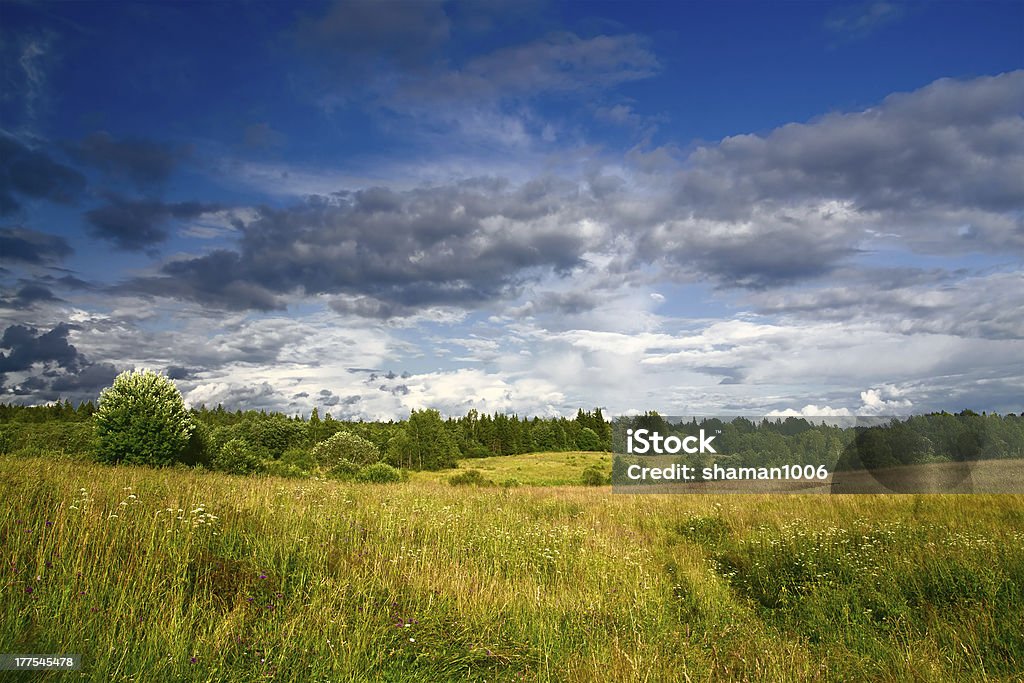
[
  {"x": 345, "y": 446},
  {"x": 141, "y": 419},
  {"x": 237, "y": 457},
  {"x": 588, "y": 440},
  {"x": 424, "y": 444}
]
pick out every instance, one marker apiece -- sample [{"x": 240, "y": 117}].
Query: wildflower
[
  {"x": 28, "y": 589},
  {"x": 192, "y": 660}
]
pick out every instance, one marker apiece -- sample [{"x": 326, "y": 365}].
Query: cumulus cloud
[{"x": 389, "y": 251}]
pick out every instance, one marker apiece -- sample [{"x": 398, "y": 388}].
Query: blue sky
[{"x": 532, "y": 207}]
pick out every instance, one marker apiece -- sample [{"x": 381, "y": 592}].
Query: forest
[{"x": 245, "y": 442}]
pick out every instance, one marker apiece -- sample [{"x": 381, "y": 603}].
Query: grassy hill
[{"x": 175, "y": 575}]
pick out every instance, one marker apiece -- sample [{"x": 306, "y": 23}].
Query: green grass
[
  {"x": 265, "y": 579},
  {"x": 531, "y": 469}
]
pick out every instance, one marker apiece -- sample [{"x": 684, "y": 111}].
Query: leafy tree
[
  {"x": 424, "y": 444},
  {"x": 237, "y": 457},
  {"x": 142, "y": 419},
  {"x": 588, "y": 440},
  {"x": 345, "y": 446}
]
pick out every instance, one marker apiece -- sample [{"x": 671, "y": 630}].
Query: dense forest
[
  {"x": 423, "y": 441},
  {"x": 252, "y": 441},
  {"x": 868, "y": 443}
]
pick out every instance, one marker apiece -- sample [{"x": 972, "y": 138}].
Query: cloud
[
  {"x": 389, "y": 252},
  {"x": 25, "y": 246},
  {"x": 143, "y": 162},
  {"x": 909, "y": 301},
  {"x": 27, "y": 172},
  {"x": 858, "y": 21},
  {"x": 43, "y": 366},
  {"x": 557, "y": 63},
  {"x": 938, "y": 170},
  {"x": 263, "y": 136},
  {"x": 138, "y": 224},
  {"x": 26, "y": 347},
  {"x": 27, "y": 296},
  {"x": 355, "y": 36}
]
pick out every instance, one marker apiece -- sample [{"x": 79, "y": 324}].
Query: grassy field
[
  {"x": 174, "y": 575},
  {"x": 531, "y": 469}
]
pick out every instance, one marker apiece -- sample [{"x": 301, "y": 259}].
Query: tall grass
[{"x": 164, "y": 575}]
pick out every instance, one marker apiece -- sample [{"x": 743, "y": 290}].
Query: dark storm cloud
[
  {"x": 143, "y": 162},
  {"x": 26, "y": 347},
  {"x": 32, "y": 247},
  {"x": 137, "y": 225},
  {"x": 61, "y": 371},
  {"x": 27, "y": 296},
  {"x": 389, "y": 251},
  {"x": 85, "y": 384},
  {"x": 25, "y": 172},
  {"x": 179, "y": 372}
]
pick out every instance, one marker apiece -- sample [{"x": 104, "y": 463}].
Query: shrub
[
  {"x": 344, "y": 470},
  {"x": 378, "y": 473},
  {"x": 141, "y": 419},
  {"x": 593, "y": 476},
  {"x": 470, "y": 478},
  {"x": 237, "y": 457},
  {"x": 287, "y": 470},
  {"x": 511, "y": 483},
  {"x": 299, "y": 457},
  {"x": 345, "y": 446}
]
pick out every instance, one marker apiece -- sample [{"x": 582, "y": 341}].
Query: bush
[
  {"x": 470, "y": 478},
  {"x": 237, "y": 457},
  {"x": 379, "y": 473},
  {"x": 344, "y": 470},
  {"x": 345, "y": 446},
  {"x": 287, "y": 470},
  {"x": 511, "y": 483},
  {"x": 141, "y": 419},
  {"x": 299, "y": 457},
  {"x": 593, "y": 476}
]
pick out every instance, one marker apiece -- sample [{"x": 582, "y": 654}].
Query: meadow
[{"x": 180, "y": 575}]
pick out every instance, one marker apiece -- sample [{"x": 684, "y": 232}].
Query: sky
[{"x": 697, "y": 208}]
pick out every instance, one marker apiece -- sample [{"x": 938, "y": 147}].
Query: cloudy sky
[{"x": 697, "y": 208}]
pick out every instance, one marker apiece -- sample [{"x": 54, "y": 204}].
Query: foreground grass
[{"x": 181, "y": 576}]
